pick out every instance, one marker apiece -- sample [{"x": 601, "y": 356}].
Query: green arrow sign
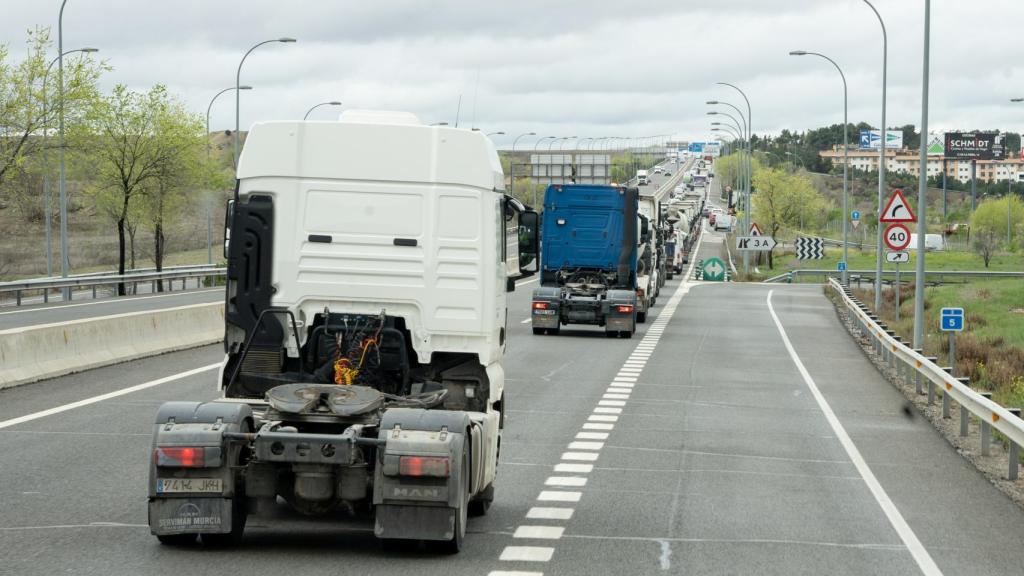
[{"x": 714, "y": 270}]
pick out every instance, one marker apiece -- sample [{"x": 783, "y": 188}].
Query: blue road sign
[
  {"x": 841, "y": 266},
  {"x": 855, "y": 215},
  {"x": 952, "y": 319}
]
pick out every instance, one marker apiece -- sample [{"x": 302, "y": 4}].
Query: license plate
[{"x": 182, "y": 485}]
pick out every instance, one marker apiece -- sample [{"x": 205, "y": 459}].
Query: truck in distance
[
  {"x": 642, "y": 178},
  {"x": 588, "y": 269},
  {"x": 365, "y": 311}
]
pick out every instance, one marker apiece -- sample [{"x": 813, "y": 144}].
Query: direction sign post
[
  {"x": 897, "y": 291},
  {"x": 952, "y": 321},
  {"x": 897, "y": 257}
]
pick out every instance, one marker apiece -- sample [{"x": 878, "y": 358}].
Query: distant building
[{"x": 908, "y": 162}]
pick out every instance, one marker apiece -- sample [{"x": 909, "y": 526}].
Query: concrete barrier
[{"x": 33, "y": 353}]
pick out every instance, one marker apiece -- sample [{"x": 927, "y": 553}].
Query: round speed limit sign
[{"x": 897, "y": 237}]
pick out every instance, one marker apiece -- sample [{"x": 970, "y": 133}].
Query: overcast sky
[{"x": 581, "y": 68}]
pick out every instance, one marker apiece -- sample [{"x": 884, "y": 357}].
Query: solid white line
[
  {"x": 525, "y": 282},
  {"x": 107, "y": 396},
  {"x": 586, "y": 445},
  {"x": 559, "y": 496},
  {"x": 111, "y": 300},
  {"x": 917, "y": 550},
  {"x": 597, "y": 426},
  {"x": 539, "y": 532},
  {"x": 541, "y": 513},
  {"x": 584, "y": 456},
  {"x": 527, "y": 321},
  {"x": 527, "y": 553},
  {"x": 591, "y": 435},
  {"x": 566, "y": 481},
  {"x": 574, "y": 468}
]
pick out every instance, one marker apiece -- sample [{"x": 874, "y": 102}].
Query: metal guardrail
[
  {"x": 906, "y": 361},
  {"x": 888, "y": 276},
  {"x": 168, "y": 275}
]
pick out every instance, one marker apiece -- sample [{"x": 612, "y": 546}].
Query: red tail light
[
  {"x": 437, "y": 466},
  {"x": 626, "y": 309},
  {"x": 640, "y": 293},
  {"x": 180, "y": 456},
  {"x": 540, "y": 305}
]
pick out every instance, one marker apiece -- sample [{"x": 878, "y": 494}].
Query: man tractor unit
[
  {"x": 365, "y": 327},
  {"x": 589, "y": 259}
]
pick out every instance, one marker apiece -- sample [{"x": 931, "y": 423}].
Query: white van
[{"x": 931, "y": 242}]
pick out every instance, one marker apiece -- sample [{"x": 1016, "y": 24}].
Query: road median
[{"x": 32, "y": 353}]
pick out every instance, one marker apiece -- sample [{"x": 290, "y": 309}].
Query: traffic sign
[
  {"x": 841, "y": 266},
  {"x": 952, "y": 319},
  {"x": 855, "y": 215},
  {"x": 714, "y": 270},
  {"x": 897, "y": 209},
  {"x": 897, "y": 257},
  {"x": 897, "y": 237},
  {"x": 809, "y": 248},
  {"x": 855, "y": 223},
  {"x": 755, "y": 230},
  {"x": 755, "y": 243}
]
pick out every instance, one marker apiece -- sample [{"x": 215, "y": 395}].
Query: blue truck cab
[{"x": 588, "y": 259}]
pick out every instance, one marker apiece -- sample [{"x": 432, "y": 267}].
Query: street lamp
[
  {"x": 489, "y": 134},
  {"x": 238, "y": 83},
  {"x": 536, "y": 145},
  {"x": 750, "y": 170},
  {"x": 46, "y": 160},
  {"x": 881, "y": 162},
  {"x": 846, "y": 157},
  {"x": 209, "y": 215},
  {"x": 801, "y": 160},
  {"x": 331, "y": 103},
  {"x": 1016, "y": 99}
]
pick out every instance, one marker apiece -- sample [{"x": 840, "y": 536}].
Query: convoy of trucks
[
  {"x": 365, "y": 325},
  {"x": 365, "y": 329}
]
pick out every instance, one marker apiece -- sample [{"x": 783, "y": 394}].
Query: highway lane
[{"x": 79, "y": 309}]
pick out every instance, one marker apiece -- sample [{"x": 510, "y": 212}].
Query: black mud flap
[
  {"x": 415, "y": 522},
  {"x": 169, "y": 516}
]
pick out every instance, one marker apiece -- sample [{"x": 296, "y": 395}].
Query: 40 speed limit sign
[{"x": 897, "y": 237}]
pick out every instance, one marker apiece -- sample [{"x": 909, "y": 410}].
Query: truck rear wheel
[
  {"x": 538, "y": 331},
  {"x": 641, "y": 317},
  {"x": 482, "y": 503},
  {"x": 177, "y": 539}
]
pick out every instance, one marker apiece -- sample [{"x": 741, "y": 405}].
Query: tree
[
  {"x": 996, "y": 223},
  {"x": 27, "y": 111},
  {"x": 181, "y": 165},
  {"x": 132, "y": 153},
  {"x": 785, "y": 200}
]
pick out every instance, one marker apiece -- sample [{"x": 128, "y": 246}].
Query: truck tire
[
  {"x": 669, "y": 275},
  {"x": 538, "y": 331},
  {"x": 177, "y": 539},
  {"x": 482, "y": 503},
  {"x": 641, "y": 317}
]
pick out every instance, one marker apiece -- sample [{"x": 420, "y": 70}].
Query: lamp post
[
  {"x": 748, "y": 178},
  {"x": 46, "y": 160},
  {"x": 238, "y": 83},
  {"x": 801, "y": 160},
  {"x": 535, "y": 147},
  {"x": 331, "y": 103},
  {"x": 750, "y": 170},
  {"x": 62, "y": 183},
  {"x": 209, "y": 215},
  {"x": 846, "y": 158},
  {"x": 881, "y": 161},
  {"x": 512, "y": 167},
  {"x": 922, "y": 187}
]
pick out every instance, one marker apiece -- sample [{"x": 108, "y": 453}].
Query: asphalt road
[
  {"x": 698, "y": 448},
  {"x": 11, "y": 317}
]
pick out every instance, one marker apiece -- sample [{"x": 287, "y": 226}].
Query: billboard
[
  {"x": 936, "y": 144},
  {"x": 869, "y": 139},
  {"x": 696, "y": 147},
  {"x": 975, "y": 145},
  {"x": 712, "y": 149}
]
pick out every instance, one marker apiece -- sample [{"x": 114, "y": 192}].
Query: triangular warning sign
[
  {"x": 897, "y": 209},
  {"x": 754, "y": 229}
]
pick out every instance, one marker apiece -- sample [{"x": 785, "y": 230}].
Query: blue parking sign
[
  {"x": 841, "y": 266},
  {"x": 952, "y": 319}
]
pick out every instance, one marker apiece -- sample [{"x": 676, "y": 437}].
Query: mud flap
[{"x": 169, "y": 516}]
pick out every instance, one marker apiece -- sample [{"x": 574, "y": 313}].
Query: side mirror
[
  {"x": 529, "y": 243},
  {"x": 645, "y": 230},
  {"x": 229, "y": 215},
  {"x": 510, "y": 284}
]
